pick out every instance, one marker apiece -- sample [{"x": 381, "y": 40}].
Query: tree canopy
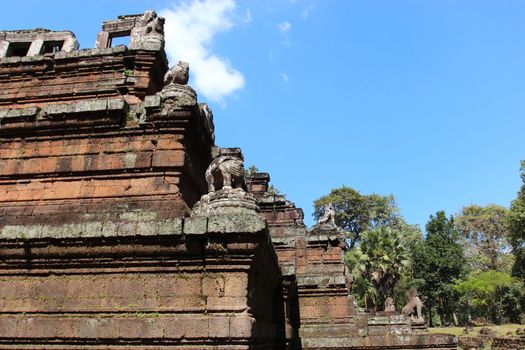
[
  {"x": 438, "y": 263},
  {"x": 491, "y": 294},
  {"x": 486, "y": 237},
  {"x": 380, "y": 258},
  {"x": 482, "y": 286},
  {"x": 516, "y": 226},
  {"x": 461, "y": 268},
  {"x": 356, "y": 212}
]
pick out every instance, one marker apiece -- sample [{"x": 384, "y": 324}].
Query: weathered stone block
[
  {"x": 170, "y": 227},
  {"x": 197, "y": 225},
  {"x": 242, "y": 326},
  {"x": 22, "y": 113},
  {"x": 152, "y": 101},
  {"x": 236, "y": 223}
]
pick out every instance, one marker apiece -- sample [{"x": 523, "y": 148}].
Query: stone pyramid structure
[{"x": 123, "y": 225}]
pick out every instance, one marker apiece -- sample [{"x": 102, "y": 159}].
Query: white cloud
[
  {"x": 306, "y": 12},
  {"x": 284, "y": 27},
  {"x": 190, "y": 28},
  {"x": 284, "y": 77},
  {"x": 247, "y": 16}
]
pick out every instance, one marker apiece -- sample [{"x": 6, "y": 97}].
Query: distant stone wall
[
  {"x": 472, "y": 342},
  {"x": 510, "y": 343}
]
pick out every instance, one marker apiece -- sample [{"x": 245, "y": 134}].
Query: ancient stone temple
[{"x": 123, "y": 225}]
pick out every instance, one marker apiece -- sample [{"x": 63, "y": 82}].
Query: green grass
[{"x": 501, "y": 330}]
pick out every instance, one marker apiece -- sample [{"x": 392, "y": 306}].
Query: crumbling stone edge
[{"x": 215, "y": 224}]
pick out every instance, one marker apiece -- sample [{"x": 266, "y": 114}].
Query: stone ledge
[
  {"x": 66, "y": 55},
  {"x": 312, "y": 238},
  {"x": 219, "y": 224},
  {"x": 413, "y": 341},
  {"x": 101, "y": 328},
  {"x": 234, "y": 223},
  {"x": 284, "y": 241},
  {"x": 84, "y": 53},
  {"x": 54, "y": 110},
  {"x": 92, "y": 229},
  {"x": 197, "y": 225},
  {"x": 109, "y": 111},
  {"x": 318, "y": 281}
]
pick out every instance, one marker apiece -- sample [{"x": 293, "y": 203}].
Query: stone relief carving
[{"x": 413, "y": 307}]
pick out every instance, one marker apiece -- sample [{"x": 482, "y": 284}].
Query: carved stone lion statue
[
  {"x": 389, "y": 305},
  {"x": 178, "y": 74},
  {"x": 230, "y": 168},
  {"x": 413, "y": 307}
]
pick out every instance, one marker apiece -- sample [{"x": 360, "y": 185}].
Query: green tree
[
  {"x": 438, "y": 263},
  {"x": 379, "y": 260},
  {"x": 486, "y": 292},
  {"x": 510, "y": 302},
  {"x": 486, "y": 237},
  {"x": 516, "y": 226},
  {"x": 413, "y": 238},
  {"x": 356, "y": 213}
]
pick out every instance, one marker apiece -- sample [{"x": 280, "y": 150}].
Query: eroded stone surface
[
  {"x": 146, "y": 31},
  {"x": 22, "y": 43}
]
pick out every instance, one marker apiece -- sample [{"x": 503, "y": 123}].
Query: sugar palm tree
[{"x": 381, "y": 257}]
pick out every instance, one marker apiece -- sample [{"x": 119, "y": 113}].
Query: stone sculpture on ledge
[
  {"x": 328, "y": 219},
  {"x": 389, "y": 306},
  {"x": 178, "y": 74},
  {"x": 413, "y": 307},
  {"x": 326, "y": 223},
  {"x": 154, "y": 30},
  {"x": 176, "y": 94},
  {"x": 226, "y": 194},
  {"x": 231, "y": 171}
]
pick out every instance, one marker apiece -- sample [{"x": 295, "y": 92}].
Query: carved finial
[
  {"x": 226, "y": 188},
  {"x": 230, "y": 169},
  {"x": 178, "y": 74},
  {"x": 328, "y": 218},
  {"x": 413, "y": 307},
  {"x": 155, "y": 24}
]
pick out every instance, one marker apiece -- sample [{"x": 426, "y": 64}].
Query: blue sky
[{"x": 420, "y": 99}]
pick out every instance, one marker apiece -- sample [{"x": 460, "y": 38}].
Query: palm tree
[{"x": 381, "y": 257}]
